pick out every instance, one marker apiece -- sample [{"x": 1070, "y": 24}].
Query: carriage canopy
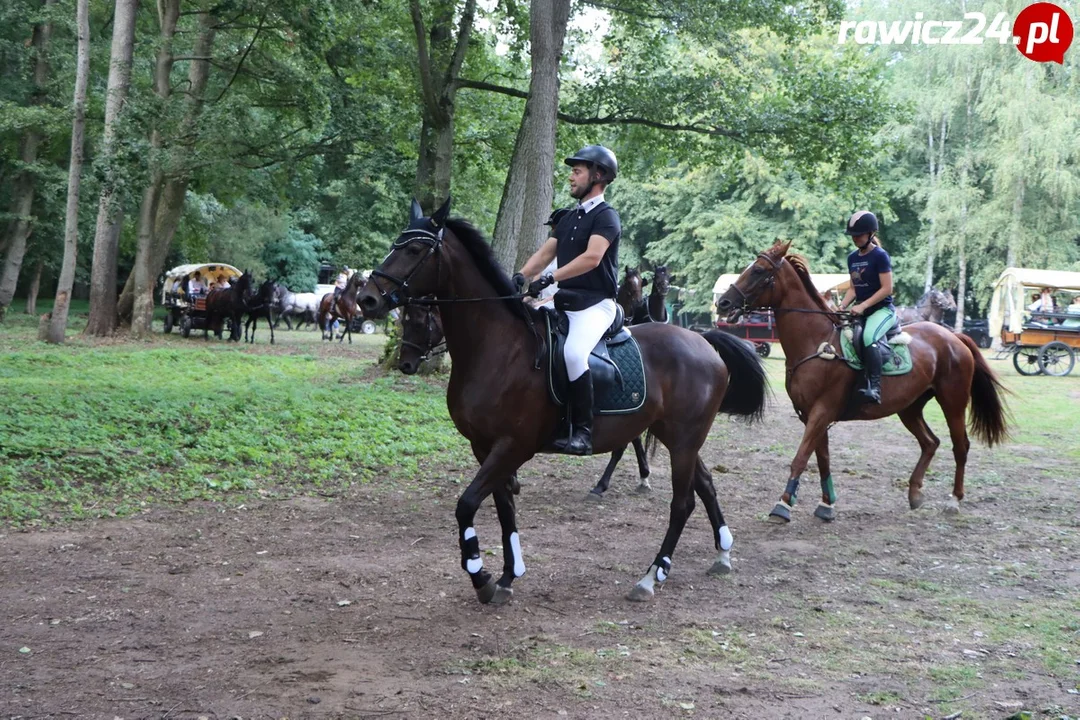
[
  {"x": 1009, "y": 300},
  {"x": 209, "y": 272}
]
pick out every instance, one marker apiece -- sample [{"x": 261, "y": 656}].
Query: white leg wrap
[
  {"x": 470, "y": 533},
  {"x": 519, "y": 561},
  {"x": 725, "y": 538},
  {"x": 474, "y": 565}
]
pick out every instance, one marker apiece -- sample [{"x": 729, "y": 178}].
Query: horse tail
[
  {"x": 989, "y": 417},
  {"x": 748, "y": 386},
  {"x": 650, "y": 444}
]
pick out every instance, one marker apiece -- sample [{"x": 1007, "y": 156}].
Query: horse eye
[
  {"x": 757, "y": 270},
  {"x": 414, "y": 250}
]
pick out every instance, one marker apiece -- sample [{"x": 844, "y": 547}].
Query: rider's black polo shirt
[{"x": 573, "y": 233}]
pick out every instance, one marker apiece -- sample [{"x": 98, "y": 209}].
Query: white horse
[{"x": 303, "y": 306}]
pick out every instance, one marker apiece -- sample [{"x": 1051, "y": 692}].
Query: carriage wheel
[
  {"x": 1026, "y": 360},
  {"x": 1056, "y": 358},
  {"x": 168, "y": 321},
  {"x": 185, "y": 326},
  {"x": 368, "y": 327},
  {"x": 763, "y": 349}
]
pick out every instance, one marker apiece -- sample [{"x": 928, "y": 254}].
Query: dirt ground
[{"x": 355, "y": 606}]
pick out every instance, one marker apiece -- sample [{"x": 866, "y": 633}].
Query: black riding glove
[
  {"x": 518, "y": 280},
  {"x": 539, "y": 284}
]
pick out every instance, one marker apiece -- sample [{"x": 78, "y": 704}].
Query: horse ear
[
  {"x": 781, "y": 247},
  {"x": 644, "y": 282},
  {"x": 415, "y": 212},
  {"x": 439, "y": 218}
]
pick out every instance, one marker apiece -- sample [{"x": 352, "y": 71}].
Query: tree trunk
[
  {"x": 170, "y": 204},
  {"x": 143, "y": 311},
  {"x": 110, "y": 214},
  {"x": 58, "y": 321},
  {"x": 937, "y": 167},
  {"x": 528, "y": 193},
  {"x": 22, "y": 200},
  {"x": 35, "y": 288},
  {"x": 1017, "y": 226},
  {"x": 438, "y": 85}
]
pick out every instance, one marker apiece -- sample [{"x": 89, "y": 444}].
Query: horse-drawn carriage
[
  {"x": 759, "y": 327},
  {"x": 185, "y": 304},
  {"x": 1040, "y": 340}
]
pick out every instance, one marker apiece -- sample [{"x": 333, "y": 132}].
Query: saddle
[
  {"x": 615, "y": 366},
  {"x": 895, "y": 357}
]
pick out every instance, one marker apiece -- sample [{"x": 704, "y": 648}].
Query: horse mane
[
  {"x": 802, "y": 270},
  {"x": 481, "y": 253}
]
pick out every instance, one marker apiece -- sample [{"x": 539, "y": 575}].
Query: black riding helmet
[
  {"x": 861, "y": 222},
  {"x": 597, "y": 155}
]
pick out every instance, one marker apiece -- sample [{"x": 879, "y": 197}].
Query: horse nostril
[
  {"x": 369, "y": 303},
  {"x": 724, "y": 304}
]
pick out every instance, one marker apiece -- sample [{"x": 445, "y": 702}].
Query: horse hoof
[
  {"x": 593, "y": 496},
  {"x": 953, "y": 506},
  {"x": 643, "y": 489},
  {"x": 485, "y": 593},
  {"x": 720, "y": 568},
  {"x": 640, "y": 594},
  {"x": 825, "y": 512},
  {"x": 916, "y": 501},
  {"x": 780, "y": 515},
  {"x": 502, "y": 595}
]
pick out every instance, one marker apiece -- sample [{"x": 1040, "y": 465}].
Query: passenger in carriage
[
  {"x": 1043, "y": 302},
  {"x": 1073, "y": 309},
  {"x": 196, "y": 286}
]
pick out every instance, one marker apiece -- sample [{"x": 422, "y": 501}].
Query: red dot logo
[{"x": 1043, "y": 32}]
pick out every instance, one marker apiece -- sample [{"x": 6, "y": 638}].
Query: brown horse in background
[
  {"x": 498, "y": 396},
  {"x": 657, "y": 302},
  {"x": 631, "y": 295},
  {"x": 946, "y": 366},
  {"x": 345, "y": 308}
]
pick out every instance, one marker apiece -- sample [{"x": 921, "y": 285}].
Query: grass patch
[{"x": 103, "y": 430}]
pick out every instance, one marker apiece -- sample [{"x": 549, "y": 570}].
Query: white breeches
[{"x": 586, "y": 328}]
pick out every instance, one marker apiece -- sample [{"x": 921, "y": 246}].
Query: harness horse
[
  {"x": 946, "y": 367},
  {"x": 498, "y": 398}
]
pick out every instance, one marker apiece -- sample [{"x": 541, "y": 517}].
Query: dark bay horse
[
  {"x": 947, "y": 367},
  {"x": 931, "y": 307},
  {"x": 499, "y": 401},
  {"x": 345, "y": 308},
  {"x": 631, "y": 295},
  {"x": 657, "y": 302},
  {"x": 265, "y": 303},
  {"x": 228, "y": 304},
  {"x": 422, "y": 337}
]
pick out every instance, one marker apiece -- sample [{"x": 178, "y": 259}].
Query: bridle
[
  {"x": 760, "y": 285},
  {"x": 433, "y": 241}
]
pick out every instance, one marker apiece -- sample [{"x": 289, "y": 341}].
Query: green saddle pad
[
  {"x": 896, "y": 362},
  {"x": 610, "y": 398}
]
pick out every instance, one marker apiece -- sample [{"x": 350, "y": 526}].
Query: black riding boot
[
  {"x": 872, "y": 362},
  {"x": 581, "y": 399}
]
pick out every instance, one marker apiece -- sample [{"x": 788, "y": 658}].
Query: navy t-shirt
[
  {"x": 865, "y": 271},
  {"x": 572, "y": 233}
]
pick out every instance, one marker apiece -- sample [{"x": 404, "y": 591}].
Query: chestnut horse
[
  {"x": 422, "y": 337},
  {"x": 498, "y": 397},
  {"x": 946, "y": 366},
  {"x": 345, "y": 308}
]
